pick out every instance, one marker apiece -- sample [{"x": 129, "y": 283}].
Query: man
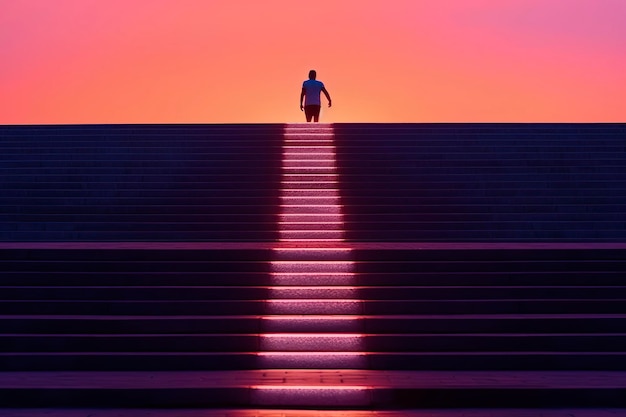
[{"x": 311, "y": 89}]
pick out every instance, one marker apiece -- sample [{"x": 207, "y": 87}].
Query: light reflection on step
[
  {"x": 312, "y": 267},
  {"x": 309, "y": 360},
  {"x": 313, "y": 292},
  {"x": 319, "y": 324},
  {"x": 317, "y": 185},
  {"x": 304, "y": 225},
  {"x": 309, "y": 234},
  {"x": 313, "y": 309},
  {"x": 319, "y": 342},
  {"x": 309, "y": 395},
  {"x": 303, "y": 278},
  {"x": 325, "y": 306}
]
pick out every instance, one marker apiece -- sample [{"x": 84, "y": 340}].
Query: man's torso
[{"x": 312, "y": 89}]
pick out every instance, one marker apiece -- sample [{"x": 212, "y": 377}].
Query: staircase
[{"x": 455, "y": 267}]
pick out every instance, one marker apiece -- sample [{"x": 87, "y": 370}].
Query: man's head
[{"x": 312, "y": 74}]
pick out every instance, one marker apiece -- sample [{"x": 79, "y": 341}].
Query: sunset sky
[{"x": 243, "y": 61}]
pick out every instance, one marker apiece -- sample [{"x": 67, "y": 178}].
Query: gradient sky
[{"x": 243, "y": 61}]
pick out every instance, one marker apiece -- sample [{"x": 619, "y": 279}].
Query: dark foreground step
[
  {"x": 294, "y": 412},
  {"x": 211, "y": 361},
  {"x": 295, "y": 342},
  {"x": 340, "y": 389},
  {"x": 563, "y": 279},
  {"x": 420, "y": 251},
  {"x": 206, "y": 292},
  {"x": 154, "y": 154},
  {"x": 107, "y": 227},
  {"x": 208, "y": 233},
  {"x": 239, "y": 182},
  {"x": 382, "y": 324},
  {"x": 488, "y": 260},
  {"x": 349, "y": 306},
  {"x": 405, "y": 179}
]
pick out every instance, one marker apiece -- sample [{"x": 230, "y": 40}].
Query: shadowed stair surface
[
  {"x": 139, "y": 182},
  {"x": 422, "y": 266},
  {"x": 483, "y": 182},
  {"x": 325, "y": 389},
  {"x": 491, "y": 412}
]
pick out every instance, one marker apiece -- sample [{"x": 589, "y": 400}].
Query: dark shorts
[{"x": 312, "y": 111}]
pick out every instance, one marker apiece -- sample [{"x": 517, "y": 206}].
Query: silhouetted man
[{"x": 311, "y": 90}]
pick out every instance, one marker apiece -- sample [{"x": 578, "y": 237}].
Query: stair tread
[
  {"x": 254, "y": 412},
  {"x": 371, "y": 379},
  {"x": 500, "y": 316}
]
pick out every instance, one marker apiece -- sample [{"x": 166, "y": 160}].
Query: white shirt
[{"x": 312, "y": 90}]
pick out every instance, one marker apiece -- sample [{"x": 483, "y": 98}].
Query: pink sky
[{"x": 243, "y": 61}]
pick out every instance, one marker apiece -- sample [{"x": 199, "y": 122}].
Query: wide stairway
[{"x": 250, "y": 270}]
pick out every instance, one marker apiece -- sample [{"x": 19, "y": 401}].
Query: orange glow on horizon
[{"x": 219, "y": 61}]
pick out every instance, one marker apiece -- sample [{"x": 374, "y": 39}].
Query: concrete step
[
  {"x": 204, "y": 412},
  {"x": 392, "y": 202},
  {"x": 228, "y": 162},
  {"x": 175, "y": 292},
  {"x": 485, "y": 257},
  {"x": 263, "y": 208},
  {"x": 351, "y": 389},
  {"x": 182, "y": 225},
  {"x": 138, "y": 193},
  {"x": 361, "y": 150},
  {"x": 394, "y": 173},
  {"x": 250, "y": 307},
  {"x": 563, "y": 278},
  {"x": 545, "y": 232},
  {"x": 314, "y": 342},
  {"x": 169, "y": 194},
  {"x": 364, "y": 142},
  {"x": 212, "y": 361},
  {"x": 205, "y": 177},
  {"x": 209, "y": 235},
  {"x": 443, "y": 324},
  {"x": 150, "y": 254}
]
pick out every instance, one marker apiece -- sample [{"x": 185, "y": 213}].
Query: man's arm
[
  {"x": 302, "y": 97},
  {"x": 330, "y": 103}
]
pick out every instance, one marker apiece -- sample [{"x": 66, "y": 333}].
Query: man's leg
[
  {"x": 316, "y": 113},
  {"x": 308, "y": 112}
]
